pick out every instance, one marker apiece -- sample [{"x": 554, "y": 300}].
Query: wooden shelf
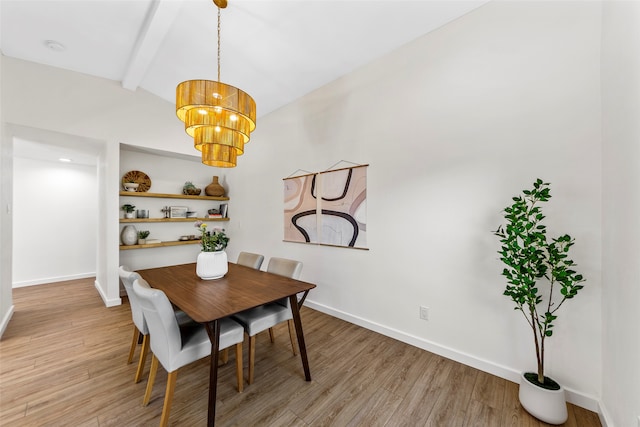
[
  {"x": 123, "y": 220},
  {"x": 159, "y": 245},
  {"x": 166, "y": 220},
  {"x": 170, "y": 196}
]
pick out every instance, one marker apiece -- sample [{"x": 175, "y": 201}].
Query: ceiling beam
[{"x": 159, "y": 20}]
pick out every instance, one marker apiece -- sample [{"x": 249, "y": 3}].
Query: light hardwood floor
[{"x": 63, "y": 363}]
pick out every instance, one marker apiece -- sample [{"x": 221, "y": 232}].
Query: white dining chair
[
  {"x": 175, "y": 345},
  {"x": 269, "y": 315},
  {"x": 251, "y": 260},
  {"x": 140, "y": 330}
]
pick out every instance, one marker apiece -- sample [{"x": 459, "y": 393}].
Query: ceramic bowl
[{"x": 131, "y": 186}]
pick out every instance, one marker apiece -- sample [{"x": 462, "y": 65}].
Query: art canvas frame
[{"x": 327, "y": 208}]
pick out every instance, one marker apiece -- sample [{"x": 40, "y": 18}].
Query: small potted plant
[
  {"x": 142, "y": 236},
  {"x": 190, "y": 189},
  {"x": 540, "y": 279},
  {"x": 129, "y": 210},
  {"x": 212, "y": 260}
]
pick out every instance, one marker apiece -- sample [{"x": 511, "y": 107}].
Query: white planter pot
[
  {"x": 211, "y": 265},
  {"x": 549, "y": 406}
]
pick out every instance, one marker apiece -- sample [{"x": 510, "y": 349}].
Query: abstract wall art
[{"x": 327, "y": 208}]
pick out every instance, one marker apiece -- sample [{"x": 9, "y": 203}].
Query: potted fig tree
[{"x": 540, "y": 279}]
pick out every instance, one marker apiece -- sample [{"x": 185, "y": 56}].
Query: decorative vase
[
  {"x": 211, "y": 265},
  {"x": 214, "y": 189},
  {"x": 129, "y": 235},
  {"x": 546, "y": 405}
]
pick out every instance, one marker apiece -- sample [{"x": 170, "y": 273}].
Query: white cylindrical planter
[
  {"x": 549, "y": 406},
  {"x": 211, "y": 265}
]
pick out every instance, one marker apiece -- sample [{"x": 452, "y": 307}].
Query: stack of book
[{"x": 221, "y": 212}]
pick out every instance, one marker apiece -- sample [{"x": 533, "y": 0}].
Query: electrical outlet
[{"x": 424, "y": 312}]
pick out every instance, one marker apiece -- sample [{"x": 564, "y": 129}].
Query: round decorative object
[
  {"x": 129, "y": 235},
  {"x": 211, "y": 265},
  {"x": 214, "y": 189},
  {"x": 141, "y": 178},
  {"x": 549, "y": 406}
]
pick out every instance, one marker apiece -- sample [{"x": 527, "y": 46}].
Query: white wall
[
  {"x": 55, "y": 230},
  {"x": 621, "y": 210},
  {"x": 452, "y": 125},
  {"x": 109, "y": 115},
  {"x": 6, "y": 217}
]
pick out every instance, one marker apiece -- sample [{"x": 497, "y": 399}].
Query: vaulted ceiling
[{"x": 275, "y": 50}]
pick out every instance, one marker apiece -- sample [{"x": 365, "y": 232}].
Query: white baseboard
[
  {"x": 605, "y": 418},
  {"x": 107, "y": 302},
  {"x": 573, "y": 396},
  {"x": 6, "y": 319},
  {"x": 53, "y": 279}
]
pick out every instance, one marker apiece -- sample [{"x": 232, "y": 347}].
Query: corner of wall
[
  {"x": 107, "y": 302},
  {"x": 5, "y": 320},
  {"x": 603, "y": 414}
]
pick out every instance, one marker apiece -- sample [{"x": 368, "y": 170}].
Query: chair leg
[
  {"x": 224, "y": 356},
  {"x": 168, "y": 398},
  {"x": 152, "y": 378},
  {"x": 239, "y": 376},
  {"x": 292, "y": 336},
  {"x": 134, "y": 343},
  {"x": 252, "y": 357},
  {"x": 271, "y": 335},
  {"x": 143, "y": 358}
]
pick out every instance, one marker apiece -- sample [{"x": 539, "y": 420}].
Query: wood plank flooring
[{"x": 63, "y": 363}]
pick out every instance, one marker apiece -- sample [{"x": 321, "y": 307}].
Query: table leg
[
  {"x": 295, "y": 310},
  {"x": 213, "y": 330}
]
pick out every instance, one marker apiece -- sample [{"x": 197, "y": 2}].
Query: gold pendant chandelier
[{"x": 218, "y": 116}]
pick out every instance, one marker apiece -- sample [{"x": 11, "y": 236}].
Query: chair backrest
[
  {"x": 164, "y": 331},
  {"x": 285, "y": 267},
  {"x": 127, "y": 277},
  {"x": 250, "y": 260}
]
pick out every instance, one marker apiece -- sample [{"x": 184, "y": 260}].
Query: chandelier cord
[{"x": 218, "y": 43}]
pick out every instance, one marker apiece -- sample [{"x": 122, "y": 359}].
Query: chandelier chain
[{"x": 218, "y": 44}]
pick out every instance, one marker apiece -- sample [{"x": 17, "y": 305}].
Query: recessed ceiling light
[
  {"x": 54, "y": 45},
  {"x": 64, "y": 159}
]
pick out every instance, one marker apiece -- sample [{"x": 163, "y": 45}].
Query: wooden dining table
[{"x": 208, "y": 301}]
